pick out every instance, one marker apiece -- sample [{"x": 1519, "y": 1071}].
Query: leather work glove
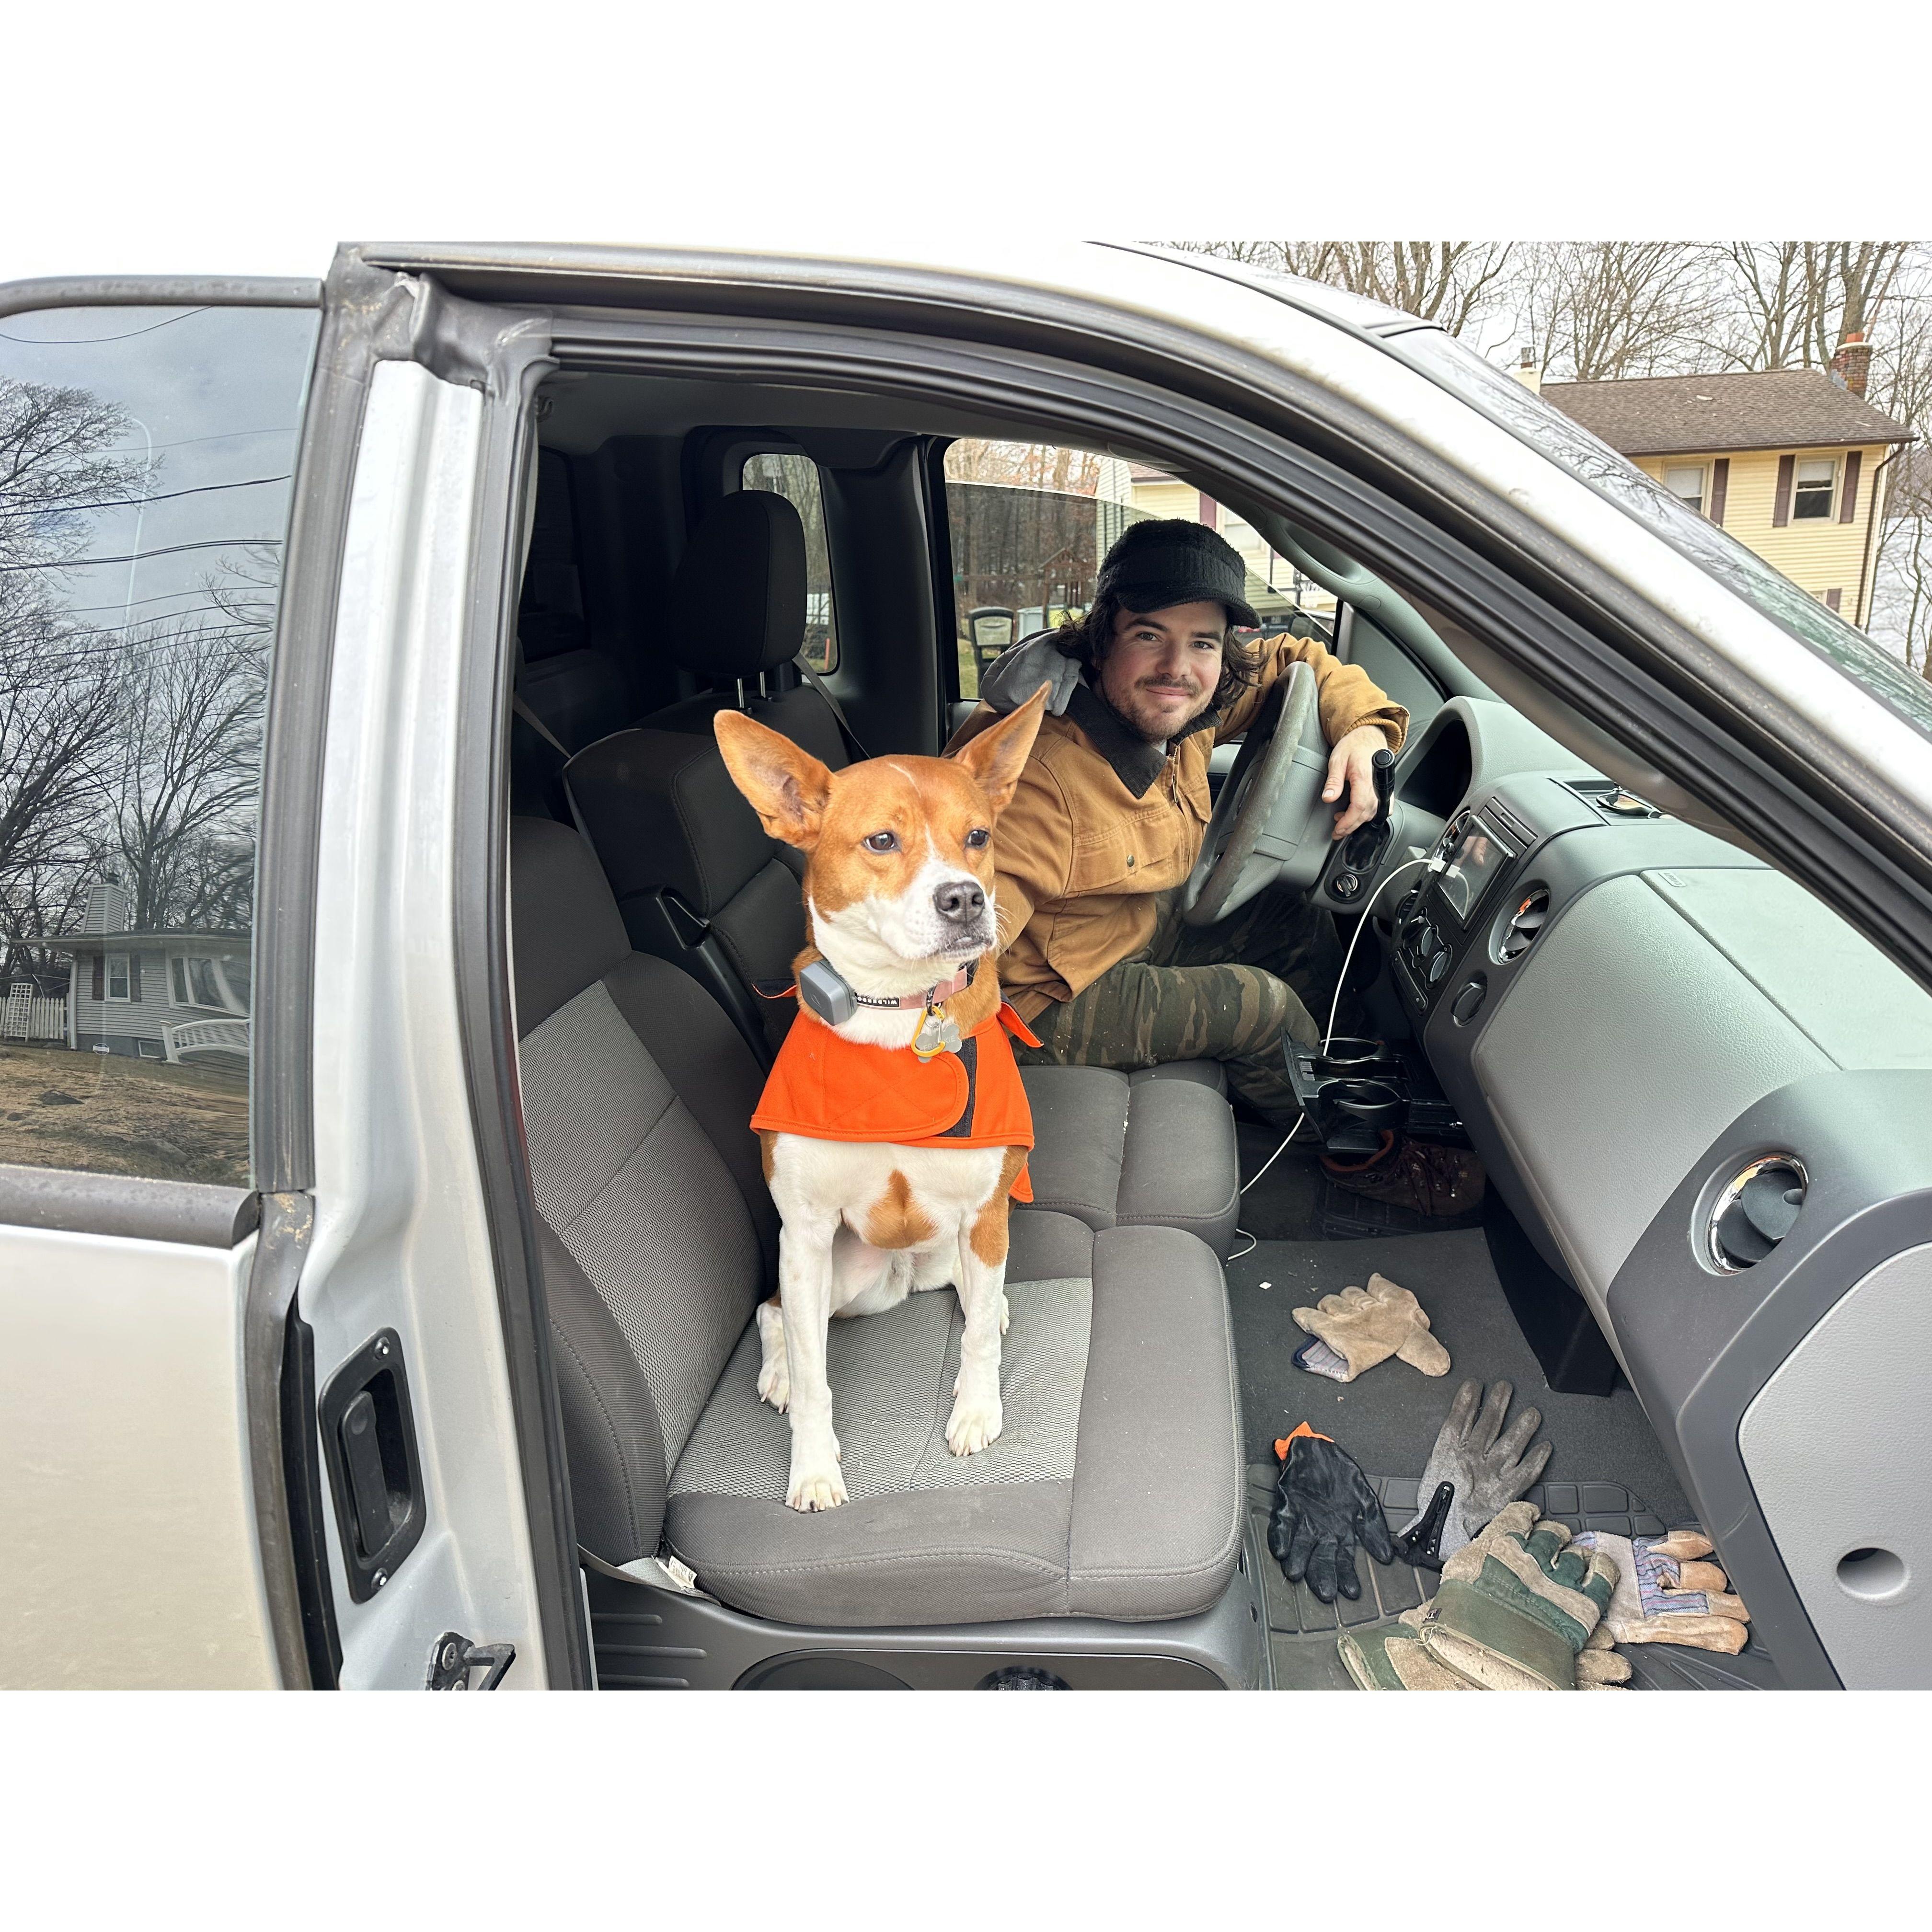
[
  {"x": 1323, "y": 1506},
  {"x": 1392, "y": 1658},
  {"x": 1517, "y": 1605},
  {"x": 1488, "y": 1464},
  {"x": 1667, "y": 1592},
  {"x": 1367, "y": 1325}
]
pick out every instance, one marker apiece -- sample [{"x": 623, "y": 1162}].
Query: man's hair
[{"x": 1089, "y": 639}]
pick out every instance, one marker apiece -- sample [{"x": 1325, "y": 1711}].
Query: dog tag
[{"x": 937, "y": 1034}]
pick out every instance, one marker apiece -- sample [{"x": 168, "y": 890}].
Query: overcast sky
[{"x": 208, "y": 136}]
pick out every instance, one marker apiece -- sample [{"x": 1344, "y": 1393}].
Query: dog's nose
[{"x": 962, "y": 901}]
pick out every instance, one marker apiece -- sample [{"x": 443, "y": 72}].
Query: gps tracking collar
[{"x": 831, "y": 996}]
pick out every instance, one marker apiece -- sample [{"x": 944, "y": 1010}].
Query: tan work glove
[
  {"x": 1367, "y": 1325},
  {"x": 1668, "y": 1593}
]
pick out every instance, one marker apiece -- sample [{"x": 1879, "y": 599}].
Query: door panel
[
  {"x": 401, "y": 1239},
  {"x": 127, "y": 1510}
]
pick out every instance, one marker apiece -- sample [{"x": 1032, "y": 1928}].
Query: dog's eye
[
  {"x": 976, "y": 839},
  {"x": 883, "y": 841}
]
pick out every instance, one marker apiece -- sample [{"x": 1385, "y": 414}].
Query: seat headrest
[
  {"x": 737, "y": 604},
  {"x": 566, "y": 933}
]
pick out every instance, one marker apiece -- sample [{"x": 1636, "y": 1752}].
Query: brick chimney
[{"x": 1852, "y": 365}]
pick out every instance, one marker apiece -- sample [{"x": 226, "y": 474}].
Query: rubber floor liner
[{"x": 1302, "y": 1632}]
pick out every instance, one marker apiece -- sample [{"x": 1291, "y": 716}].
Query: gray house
[{"x": 172, "y": 996}]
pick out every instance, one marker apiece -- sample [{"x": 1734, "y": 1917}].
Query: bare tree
[
  {"x": 184, "y": 803},
  {"x": 1601, "y": 310},
  {"x": 1789, "y": 304},
  {"x": 60, "y": 692}
]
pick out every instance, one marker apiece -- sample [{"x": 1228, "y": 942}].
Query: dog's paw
[
  {"x": 1006, "y": 1315},
  {"x": 973, "y": 1425},
  {"x": 775, "y": 1384},
  {"x": 815, "y": 1486}
]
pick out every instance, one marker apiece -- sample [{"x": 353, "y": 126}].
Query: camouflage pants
[{"x": 1230, "y": 992}]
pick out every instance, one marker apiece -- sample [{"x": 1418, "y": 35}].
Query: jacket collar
[{"x": 1135, "y": 762}]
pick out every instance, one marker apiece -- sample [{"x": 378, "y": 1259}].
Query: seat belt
[
  {"x": 521, "y": 709},
  {"x": 536, "y": 725},
  {"x": 824, "y": 690}
]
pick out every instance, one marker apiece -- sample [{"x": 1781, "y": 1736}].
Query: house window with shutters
[
  {"x": 1814, "y": 482},
  {"x": 117, "y": 976},
  {"x": 1685, "y": 482}
]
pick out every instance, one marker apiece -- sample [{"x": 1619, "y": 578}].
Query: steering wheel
[{"x": 1270, "y": 825}]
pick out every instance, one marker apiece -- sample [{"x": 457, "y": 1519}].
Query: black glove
[{"x": 1323, "y": 1506}]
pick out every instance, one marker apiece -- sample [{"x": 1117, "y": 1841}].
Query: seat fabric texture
[
  {"x": 1113, "y": 1491},
  {"x": 1116, "y": 1489}
]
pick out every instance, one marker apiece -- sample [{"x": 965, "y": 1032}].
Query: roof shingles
[{"x": 1781, "y": 409}]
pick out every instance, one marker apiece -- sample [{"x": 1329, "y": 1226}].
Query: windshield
[{"x": 1500, "y": 396}]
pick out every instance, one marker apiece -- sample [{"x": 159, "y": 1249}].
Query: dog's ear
[
  {"x": 997, "y": 756},
  {"x": 788, "y": 787}
]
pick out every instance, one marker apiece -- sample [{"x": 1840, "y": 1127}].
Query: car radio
[{"x": 1432, "y": 932}]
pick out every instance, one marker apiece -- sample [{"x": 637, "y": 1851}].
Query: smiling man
[{"x": 1111, "y": 808}]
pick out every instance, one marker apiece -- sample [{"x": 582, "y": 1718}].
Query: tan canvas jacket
[{"x": 1102, "y": 823}]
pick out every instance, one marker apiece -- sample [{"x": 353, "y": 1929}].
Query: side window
[
  {"x": 146, "y": 465},
  {"x": 796, "y": 478},
  {"x": 1030, "y": 521}
]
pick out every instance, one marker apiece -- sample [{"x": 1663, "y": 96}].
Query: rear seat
[
  {"x": 698, "y": 883},
  {"x": 1115, "y": 1492}
]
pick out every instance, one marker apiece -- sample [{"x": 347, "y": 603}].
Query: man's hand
[{"x": 1350, "y": 764}]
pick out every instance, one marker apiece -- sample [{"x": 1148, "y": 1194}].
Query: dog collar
[{"x": 932, "y": 997}]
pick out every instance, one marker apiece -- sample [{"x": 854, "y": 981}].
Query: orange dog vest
[{"x": 826, "y": 1087}]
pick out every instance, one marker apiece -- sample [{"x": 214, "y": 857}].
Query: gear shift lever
[{"x": 1362, "y": 847}]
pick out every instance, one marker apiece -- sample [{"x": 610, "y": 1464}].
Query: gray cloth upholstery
[
  {"x": 565, "y": 932},
  {"x": 1149, "y": 1528},
  {"x": 737, "y": 604},
  {"x": 1080, "y": 1130},
  {"x": 1201, "y": 1073},
  {"x": 634, "y": 1188},
  {"x": 1180, "y": 1167},
  {"x": 700, "y": 1054},
  {"x": 611, "y": 1433}
]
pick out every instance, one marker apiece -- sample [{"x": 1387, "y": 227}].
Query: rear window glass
[
  {"x": 147, "y": 458},
  {"x": 796, "y": 478},
  {"x": 1029, "y": 523}
]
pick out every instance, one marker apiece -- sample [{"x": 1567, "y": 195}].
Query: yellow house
[{"x": 1792, "y": 463}]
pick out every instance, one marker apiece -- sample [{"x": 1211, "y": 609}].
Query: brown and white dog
[{"x": 899, "y": 898}]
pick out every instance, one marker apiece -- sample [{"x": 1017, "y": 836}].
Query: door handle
[{"x": 375, "y": 1471}]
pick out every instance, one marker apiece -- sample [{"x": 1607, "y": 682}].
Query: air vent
[
  {"x": 1755, "y": 1211},
  {"x": 1524, "y": 924}
]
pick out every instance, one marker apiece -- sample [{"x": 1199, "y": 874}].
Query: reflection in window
[
  {"x": 146, "y": 457},
  {"x": 796, "y": 478},
  {"x": 1685, "y": 482},
  {"x": 1811, "y": 488}
]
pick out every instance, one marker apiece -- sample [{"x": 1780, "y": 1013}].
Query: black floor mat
[
  {"x": 1388, "y": 1419},
  {"x": 1302, "y": 1632},
  {"x": 1295, "y": 1200}
]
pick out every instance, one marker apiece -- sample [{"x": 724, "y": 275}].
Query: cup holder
[
  {"x": 1345, "y": 1056},
  {"x": 1374, "y": 1102}
]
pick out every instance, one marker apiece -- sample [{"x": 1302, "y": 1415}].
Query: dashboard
[{"x": 1707, "y": 1103}]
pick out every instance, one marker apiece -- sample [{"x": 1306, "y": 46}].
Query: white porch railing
[{"x": 221, "y": 1037}]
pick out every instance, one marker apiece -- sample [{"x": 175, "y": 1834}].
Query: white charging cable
[{"x": 1436, "y": 863}]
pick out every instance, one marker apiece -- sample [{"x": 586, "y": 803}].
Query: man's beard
[{"x": 1145, "y": 728}]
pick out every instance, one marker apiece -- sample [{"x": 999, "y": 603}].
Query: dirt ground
[{"x": 104, "y": 1113}]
